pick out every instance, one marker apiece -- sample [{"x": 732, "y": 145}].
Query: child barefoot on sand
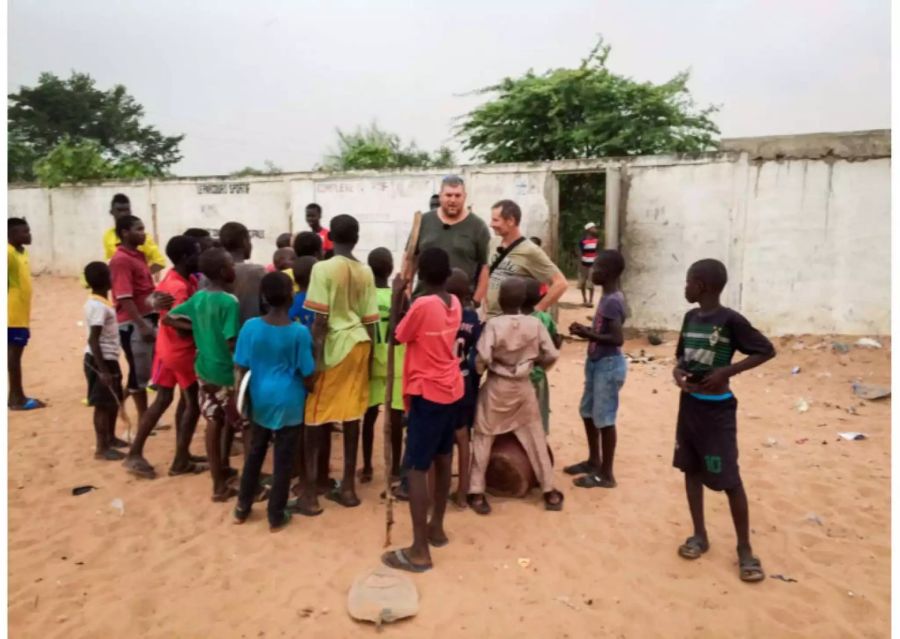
[
  {"x": 382, "y": 264},
  {"x": 460, "y": 285},
  {"x": 432, "y": 387},
  {"x": 533, "y": 294},
  {"x": 604, "y": 374},
  {"x": 213, "y": 315},
  {"x": 509, "y": 347},
  {"x": 706, "y": 436},
  {"x": 278, "y": 354},
  {"x": 101, "y": 361}
]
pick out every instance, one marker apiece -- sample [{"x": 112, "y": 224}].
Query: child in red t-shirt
[
  {"x": 432, "y": 388},
  {"x": 173, "y": 364}
]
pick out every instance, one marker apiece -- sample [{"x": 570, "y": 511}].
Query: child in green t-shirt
[
  {"x": 213, "y": 315},
  {"x": 538, "y": 374},
  {"x": 382, "y": 264}
]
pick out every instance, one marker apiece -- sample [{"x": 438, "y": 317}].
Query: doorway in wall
[{"x": 582, "y": 199}]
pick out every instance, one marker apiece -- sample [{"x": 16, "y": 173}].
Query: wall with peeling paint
[{"x": 801, "y": 222}]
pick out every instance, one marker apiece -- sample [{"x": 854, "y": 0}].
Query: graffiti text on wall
[
  {"x": 223, "y": 188},
  {"x": 257, "y": 233}
]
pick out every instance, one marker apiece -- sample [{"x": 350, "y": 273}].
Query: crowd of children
[{"x": 286, "y": 354}]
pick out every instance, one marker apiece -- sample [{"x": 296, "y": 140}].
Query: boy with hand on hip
[{"x": 706, "y": 436}]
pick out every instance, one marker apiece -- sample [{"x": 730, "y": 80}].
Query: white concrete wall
[{"x": 806, "y": 242}]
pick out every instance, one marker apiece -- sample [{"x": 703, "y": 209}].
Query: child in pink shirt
[{"x": 432, "y": 388}]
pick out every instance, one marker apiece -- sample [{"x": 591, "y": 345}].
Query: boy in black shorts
[
  {"x": 706, "y": 436},
  {"x": 101, "y": 362}
]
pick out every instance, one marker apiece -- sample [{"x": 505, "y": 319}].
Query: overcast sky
[{"x": 250, "y": 81}]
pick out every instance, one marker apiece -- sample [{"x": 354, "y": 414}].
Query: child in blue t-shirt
[
  {"x": 460, "y": 285},
  {"x": 302, "y": 269},
  {"x": 278, "y": 354}
]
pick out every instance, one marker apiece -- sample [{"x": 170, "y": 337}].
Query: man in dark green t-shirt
[{"x": 463, "y": 235}]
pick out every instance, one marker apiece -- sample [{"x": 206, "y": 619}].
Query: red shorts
[{"x": 168, "y": 374}]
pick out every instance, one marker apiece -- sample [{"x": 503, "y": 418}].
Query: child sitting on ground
[
  {"x": 460, "y": 285},
  {"x": 509, "y": 347},
  {"x": 706, "y": 436},
  {"x": 533, "y": 295},
  {"x": 432, "y": 387},
  {"x": 101, "y": 361},
  {"x": 278, "y": 355},
  {"x": 213, "y": 315},
  {"x": 382, "y": 264},
  {"x": 604, "y": 374}
]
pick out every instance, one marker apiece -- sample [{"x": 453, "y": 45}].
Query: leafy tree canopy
[
  {"x": 373, "y": 148},
  {"x": 586, "y": 112},
  {"x": 71, "y": 125}
]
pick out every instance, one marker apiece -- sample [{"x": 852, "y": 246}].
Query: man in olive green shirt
[
  {"x": 518, "y": 256},
  {"x": 462, "y": 234}
]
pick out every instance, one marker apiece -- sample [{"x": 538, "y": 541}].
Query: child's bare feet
[
  {"x": 346, "y": 498},
  {"x": 119, "y": 443},
  {"x": 365, "y": 475}
]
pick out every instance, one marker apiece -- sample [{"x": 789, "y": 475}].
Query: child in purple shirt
[{"x": 604, "y": 374}]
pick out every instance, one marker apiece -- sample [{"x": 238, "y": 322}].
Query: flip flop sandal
[
  {"x": 333, "y": 484},
  {"x": 338, "y": 497},
  {"x": 398, "y": 560},
  {"x": 263, "y": 493},
  {"x": 240, "y": 515},
  {"x": 142, "y": 469},
  {"x": 230, "y": 492},
  {"x": 285, "y": 520},
  {"x": 479, "y": 504},
  {"x": 581, "y": 468},
  {"x": 436, "y": 544},
  {"x": 111, "y": 454},
  {"x": 192, "y": 468},
  {"x": 693, "y": 547},
  {"x": 593, "y": 481},
  {"x": 554, "y": 506},
  {"x": 295, "y": 506},
  {"x": 751, "y": 570},
  {"x": 30, "y": 404}
]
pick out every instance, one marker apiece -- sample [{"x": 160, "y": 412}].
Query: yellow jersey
[
  {"x": 148, "y": 248},
  {"x": 18, "y": 288}
]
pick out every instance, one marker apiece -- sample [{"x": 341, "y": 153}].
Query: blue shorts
[
  {"x": 429, "y": 432},
  {"x": 18, "y": 336},
  {"x": 603, "y": 379}
]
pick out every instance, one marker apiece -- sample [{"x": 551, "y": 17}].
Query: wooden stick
[{"x": 407, "y": 268}]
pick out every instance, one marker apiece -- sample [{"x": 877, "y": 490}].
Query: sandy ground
[{"x": 174, "y": 566}]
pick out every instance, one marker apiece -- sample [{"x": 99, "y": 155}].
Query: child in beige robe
[{"x": 510, "y": 346}]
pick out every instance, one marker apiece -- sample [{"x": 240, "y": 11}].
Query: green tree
[
  {"x": 373, "y": 148},
  {"x": 586, "y": 112},
  {"x": 270, "y": 169},
  {"x": 62, "y": 115}
]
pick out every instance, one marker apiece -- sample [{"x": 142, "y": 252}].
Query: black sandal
[
  {"x": 693, "y": 547},
  {"x": 554, "y": 506},
  {"x": 479, "y": 503}
]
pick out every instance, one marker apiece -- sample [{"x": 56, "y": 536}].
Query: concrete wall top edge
[{"x": 850, "y": 145}]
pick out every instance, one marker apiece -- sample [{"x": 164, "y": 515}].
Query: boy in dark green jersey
[{"x": 706, "y": 435}]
